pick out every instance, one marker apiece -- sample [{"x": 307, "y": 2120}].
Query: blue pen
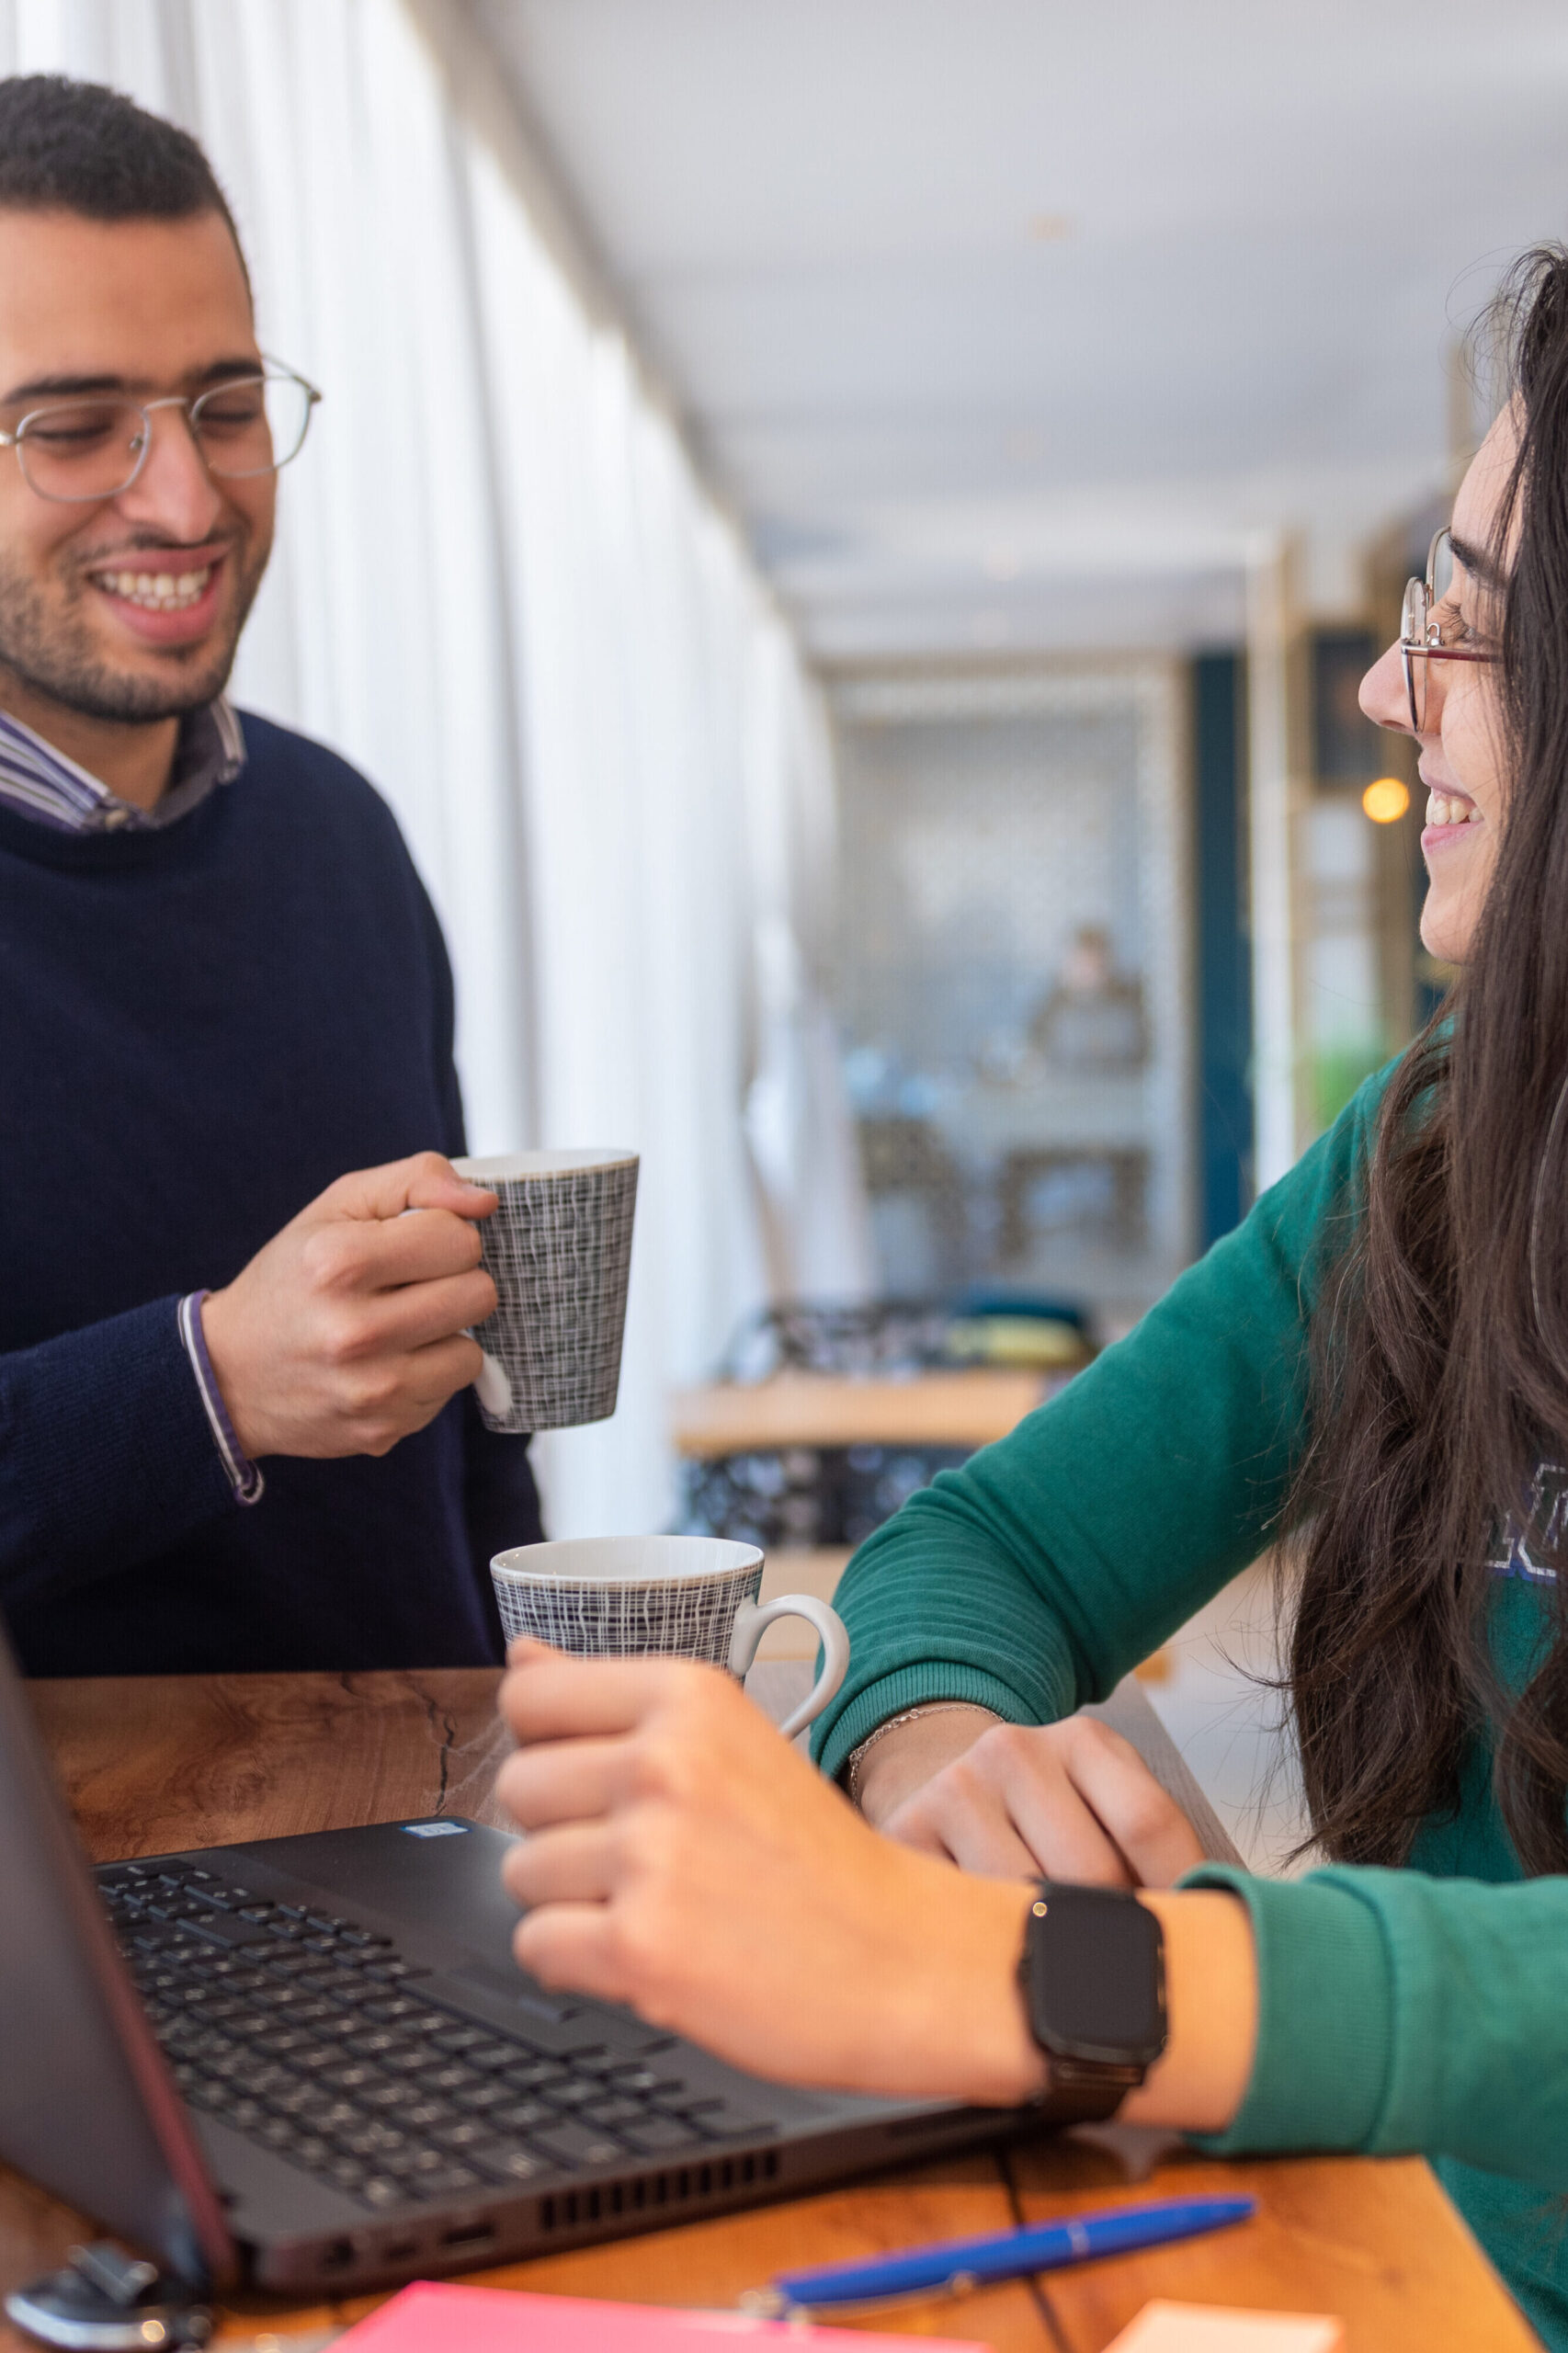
[{"x": 954, "y": 2265}]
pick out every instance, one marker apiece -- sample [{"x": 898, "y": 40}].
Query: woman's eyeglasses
[
  {"x": 1420, "y": 635},
  {"x": 76, "y": 451}
]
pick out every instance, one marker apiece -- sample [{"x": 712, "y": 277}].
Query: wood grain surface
[
  {"x": 159, "y": 1763},
  {"x": 827, "y": 1409}
]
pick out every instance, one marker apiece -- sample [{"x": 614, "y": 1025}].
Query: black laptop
[{"x": 312, "y": 2063}]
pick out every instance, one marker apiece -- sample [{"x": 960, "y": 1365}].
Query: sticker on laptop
[{"x": 436, "y": 1829}]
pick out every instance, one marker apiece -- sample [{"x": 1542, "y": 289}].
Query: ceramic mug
[
  {"x": 676, "y": 1596},
  {"x": 559, "y": 1251}
]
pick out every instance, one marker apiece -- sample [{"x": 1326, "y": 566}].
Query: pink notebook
[{"x": 430, "y": 2318}]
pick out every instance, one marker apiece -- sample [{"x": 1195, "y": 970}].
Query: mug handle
[{"x": 752, "y": 1620}]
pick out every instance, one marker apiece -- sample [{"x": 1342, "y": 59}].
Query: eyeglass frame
[
  {"x": 270, "y": 371},
  {"x": 1418, "y": 634}
]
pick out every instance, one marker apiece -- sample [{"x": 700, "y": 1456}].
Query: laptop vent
[{"x": 681, "y": 2186}]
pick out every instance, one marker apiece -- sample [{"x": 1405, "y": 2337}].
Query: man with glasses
[{"x": 235, "y": 1424}]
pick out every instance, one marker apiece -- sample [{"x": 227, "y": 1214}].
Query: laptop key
[
  {"x": 414, "y": 2160},
  {"x": 481, "y": 2097},
  {"x": 371, "y": 2141},
  {"x": 379, "y": 2190},
  {"x": 453, "y": 2077},
  {"x": 449, "y": 2182},
  {"x": 613, "y": 2112},
  {"x": 498, "y": 2161},
  {"x": 468, "y": 2134},
  {"x": 734, "y": 2124},
  {"x": 423, "y": 2115},
  {"x": 492, "y": 2056},
  {"x": 577, "y": 2144},
  {"x": 521, "y": 2116},
  {"x": 455, "y": 2038},
  {"x": 383, "y": 2094},
  {"x": 406, "y": 2062},
  {"x": 576, "y": 2092},
  {"x": 226, "y": 1927},
  {"x": 303, "y": 2101},
  {"x": 646, "y": 2080},
  {"x": 657, "y": 2135},
  {"x": 287, "y": 1961},
  {"x": 376, "y": 2042},
  {"x": 356, "y": 2077},
  {"x": 533, "y": 2074}
]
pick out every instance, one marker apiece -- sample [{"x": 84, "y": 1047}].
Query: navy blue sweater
[{"x": 200, "y": 1028}]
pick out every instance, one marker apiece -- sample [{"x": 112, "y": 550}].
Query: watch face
[{"x": 1098, "y": 1986}]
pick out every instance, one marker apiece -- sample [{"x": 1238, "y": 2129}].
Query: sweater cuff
[
  {"x": 1326, "y": 2017},
  {"x": 243, "y": 1475},
  {"x": 914, "y": 1686}
]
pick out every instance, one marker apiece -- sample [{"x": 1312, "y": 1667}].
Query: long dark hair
[{"x": 1439, "y": 1343}]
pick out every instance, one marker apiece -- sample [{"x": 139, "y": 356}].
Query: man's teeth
[
  {"x": 157, "y": 592},
  {"x": 1441, "y": 811}
]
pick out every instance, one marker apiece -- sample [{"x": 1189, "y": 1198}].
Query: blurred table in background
[{"x": 967, "y": 1408}]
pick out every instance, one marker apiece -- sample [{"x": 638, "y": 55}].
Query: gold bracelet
[{"x": 858, "y": 1757}]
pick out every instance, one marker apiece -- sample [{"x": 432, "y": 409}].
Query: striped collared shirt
[{"x": 53, "y": 790}]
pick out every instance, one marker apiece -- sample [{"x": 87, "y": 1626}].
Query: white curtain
[{"x": 502, "y": 590}]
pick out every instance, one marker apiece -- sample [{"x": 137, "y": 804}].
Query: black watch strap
[{"x": 1094, "y": 1982}]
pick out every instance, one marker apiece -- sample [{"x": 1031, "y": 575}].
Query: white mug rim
[
  {"x": 523, "y": 1167},
  {"x": 511, "y": 1565}
]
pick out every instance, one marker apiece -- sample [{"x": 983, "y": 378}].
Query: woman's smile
[{"x": 1453, "y": 820}]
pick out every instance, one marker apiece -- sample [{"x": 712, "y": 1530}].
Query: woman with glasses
[{"x": 1371, "y": 1373}]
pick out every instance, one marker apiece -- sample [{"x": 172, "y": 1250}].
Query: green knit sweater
[{"x": 1423, "y": 2009}]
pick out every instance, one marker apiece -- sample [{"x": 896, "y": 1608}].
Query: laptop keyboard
[{"x": 313, "y": 2037}]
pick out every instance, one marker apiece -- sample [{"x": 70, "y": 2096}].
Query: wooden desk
[
  {"x": 157, "y": 1764},
  {"x": 825, "y": 1409}
]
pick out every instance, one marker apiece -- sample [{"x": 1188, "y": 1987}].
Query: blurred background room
[{"x": 848, "y": 531}]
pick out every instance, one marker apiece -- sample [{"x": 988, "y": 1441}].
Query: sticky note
[
  {"x": 431, "y": 2318},
  {"x": 1164, "y": 2327}
]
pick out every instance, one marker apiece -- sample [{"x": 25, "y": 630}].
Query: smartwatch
[{"x": 1093, "y": 1973}]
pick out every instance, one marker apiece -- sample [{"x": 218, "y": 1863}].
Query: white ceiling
[{"x": 1012, "y": 323}]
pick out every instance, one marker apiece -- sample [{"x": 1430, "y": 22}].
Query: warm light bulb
[{"x": 1386, "y": 801}]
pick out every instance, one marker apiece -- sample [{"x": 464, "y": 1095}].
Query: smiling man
[{"x": 226, "y": 1017}]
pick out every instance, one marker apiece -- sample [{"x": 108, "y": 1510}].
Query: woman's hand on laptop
[
  {"x": 1071, "y": 1800},
  {"x": 682, "y": 1858},
  {"x": 686, "y": 1859}
]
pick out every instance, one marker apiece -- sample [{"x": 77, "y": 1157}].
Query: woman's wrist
[
  {"x": 1210, "y": 2013},
  {"x": 961, "y": 2003},
  {"x": 908, "y": 1754},
  {"x": 974, "y": 1996}
]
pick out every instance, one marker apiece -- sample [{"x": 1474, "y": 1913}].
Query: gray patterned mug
[
  {"x": 559, "y": 1252},
  {"x": 679, "y": 1597}
]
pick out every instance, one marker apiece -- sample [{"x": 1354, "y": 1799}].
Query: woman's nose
[{"x": 1384, "y": 697}]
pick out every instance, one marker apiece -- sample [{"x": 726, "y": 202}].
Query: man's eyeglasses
[
  {"x": 1420, "y": 634},
  {"x": 79, "y": 450}
]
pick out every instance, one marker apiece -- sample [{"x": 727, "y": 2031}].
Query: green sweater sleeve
[
  {"x": 1034, "y": 1578},
  {"x": 1400, "y": 2013}
]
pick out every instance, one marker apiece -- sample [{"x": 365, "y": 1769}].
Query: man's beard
[{"x": 46, "y": 644}]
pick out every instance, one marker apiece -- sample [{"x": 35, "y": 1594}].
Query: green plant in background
[{"x": 1338, "y": 1071}]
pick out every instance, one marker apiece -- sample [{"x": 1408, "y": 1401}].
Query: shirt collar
[{"x": 43, "y": 784}]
